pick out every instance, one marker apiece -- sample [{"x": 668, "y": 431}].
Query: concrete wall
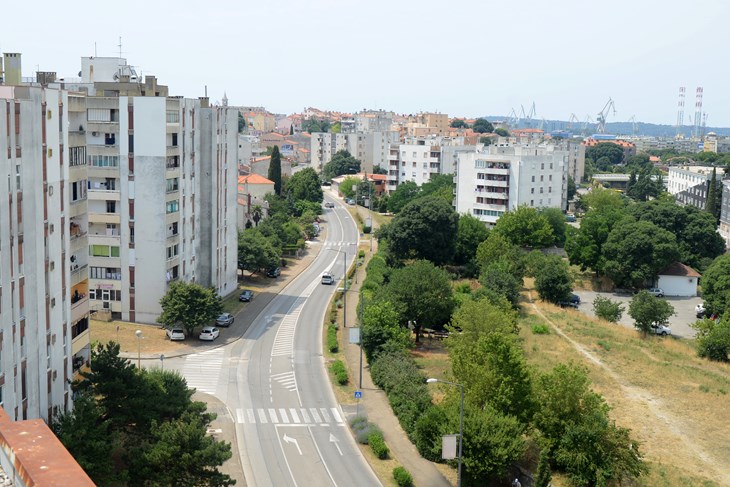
[{"x": 678, "y": 285}]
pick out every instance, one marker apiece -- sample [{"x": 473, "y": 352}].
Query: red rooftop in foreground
[{"x": 32, "y": 456}]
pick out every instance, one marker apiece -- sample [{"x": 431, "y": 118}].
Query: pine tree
[
  {"x": 711, "y": 205},
  {"x": 275, "y": 169},
  {"x": 291, "y": 129},
  {"x": 630, "y": 185}
]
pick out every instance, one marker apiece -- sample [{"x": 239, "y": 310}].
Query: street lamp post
[
  {"x": 139, "y": 344},
  {"x": 344, "y": 286},
  {"x": 461, "y": 423},
  {"x": 362, "y": 324}
]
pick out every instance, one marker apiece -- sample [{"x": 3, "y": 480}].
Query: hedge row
[
  {"x": 377, "y": 444},
  {"x": 402, "y": 477},
  {"x": 338, "y": 368},
  {"x": 332, "y": 344}
]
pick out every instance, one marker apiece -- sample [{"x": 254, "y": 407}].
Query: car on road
[
  {"x": 209, "y": 333},
  {"x": 275, "y": 272},
  {"x": 225, "y": 319},
  {"x": 574, "y": 298},
  {"x": 329, "y": 204},
  {"x": 662, "y": 330},
  {"x": 656, "y": 291},
  {"x": 246, "y": 296},
  {"x": 175, "y": 334},
  {"x": 328, "y": 278},
  {"x": 350, "y": 201}
]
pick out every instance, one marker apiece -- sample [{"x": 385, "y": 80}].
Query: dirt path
[{"x": 674, "y": 428}]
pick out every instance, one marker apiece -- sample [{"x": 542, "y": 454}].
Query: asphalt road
[
  {"x": 684, "y": 310},
  {"x": 290, "y": 430}
]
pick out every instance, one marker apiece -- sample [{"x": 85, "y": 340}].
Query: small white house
[{"x": 678, "y": 280}]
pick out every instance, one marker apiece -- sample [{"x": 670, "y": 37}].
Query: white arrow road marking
[
  {"x": 335, "y": 441},
  {"x": 296, "y": 443}
]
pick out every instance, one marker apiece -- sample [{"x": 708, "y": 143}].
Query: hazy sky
[{"x": 464, "y": 58}]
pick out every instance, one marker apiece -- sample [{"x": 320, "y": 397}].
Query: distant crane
[
  {"x": 588, "y": 121},
  {"x": 514, "y": 119},
  {"x": 573, "y": 118},
  {"x": 603, "y": 114},
  {"x": 632, "y": 121},
  {"x": 541, "y": 124}
]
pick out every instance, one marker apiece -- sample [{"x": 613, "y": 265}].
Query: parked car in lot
[
  {"x": 246, "y": 296},
  {"x": 574, "y": 298},
  {"x": 662, "y": 330},
  {"x": 700, "y": 311},
  {"x": 567, "y": 304},
  {"x": 656, "y": 291},
  {"x": 569, "y": 217},
  {"x": 225, "y": 319},
  {"x": 275, "y": 272},
  {"x": 175, "y": 334},
  {"x": 209, "y": 333},
  {"x": 329, "y": 204},
  {"x": 328, "y": 278},
  {"x": 350, "y": 201}
]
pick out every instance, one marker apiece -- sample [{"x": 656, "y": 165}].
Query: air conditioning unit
[{"x": 94, "y": 134}]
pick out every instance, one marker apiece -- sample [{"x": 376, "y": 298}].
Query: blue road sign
[{"x": 358, "y": 394}]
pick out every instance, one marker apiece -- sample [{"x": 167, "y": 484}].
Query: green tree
[
  {"x": 422, "y": 293},
  {"x": 256, "y": 252},
  {"x": 470, "y": 233},
  {"x": 425, "y": 229},
  {"x": 572, "y": 188},
  {"x": 646, "y": 309},
  {"x": 497, "y": 248},
  {"x": 348, "y": 185},
  {"x": 501, "y": 132},
  {"x": 257, "y": 213},
  {"x": 440, "y": 186},
  {"x": 403, "y": 194},
  {"x": 543, "y": 476},
  {"x": 600, "y": 198},
  {"x": 556, "y": 219},
  {"x": 189, "y": 304},
  {"x": 305, "y": 185},
  {"x": 291, "y": 129},
  {"x": 381, "y": 325},
  {"x": 714, "y": 196},
  {"x": 458, "y": 123},
  {"x": 379, "y": 170},
  {"x": 275, "y": 169},
  {"x": 88, "y": 437},
  {"x": 553, "y": 282},
  {"x": 341, "y": 163},
  {"x": 482, "y": 126},
  {"x": 180, "y": 452},
  {"x": 525, "y": 227},
  {"x": 498, "y": 277},
  {"x": 241, "y": 123},
  {"x": 612, "y": 152},
  {"x": 716, "y": 285},
  {"x": 636, "y": 251},
  {"x": 713, "y": 338},
  {"x": 608, "y": 309}
]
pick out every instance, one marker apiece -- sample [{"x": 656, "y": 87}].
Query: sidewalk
[{"x": 374, "y": 403}]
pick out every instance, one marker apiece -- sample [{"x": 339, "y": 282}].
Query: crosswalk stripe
[
  {"x": 239, "y": 415},
  {"x": 262, "y": 416},
  {"x": 305, "y": 415},
  {"x": 294, "y": 415},
  {"x": 284, "y": 417},
  {"x": 251, "y": 416},
  {"x": 315, "y": 415},
  {"x": 336, "y": 415},
  {"x": 325, "y": 415},
  {"x": 272, "y": 413}
]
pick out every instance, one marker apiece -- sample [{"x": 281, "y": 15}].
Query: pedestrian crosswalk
[
  {"x": 286, "y": 379},
  {"x": 201, "y": 370},
  {"x": 301, "y": 416},
  {"x": 341, "y": 243}
]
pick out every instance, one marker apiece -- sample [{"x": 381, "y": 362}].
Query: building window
[
  {"x": 103, "y": 251},
  {"x": 104, "y": 161},
  {"x": 532, "y": 190},
  {"x": 172, "y": 185},
  {"x": 172, "y": 207},
  {"x": 533, "y": 179}
]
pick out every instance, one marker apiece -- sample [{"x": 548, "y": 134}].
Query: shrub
[
  {"x": 713, "y": 339},
  {"x": 428, "y": 431},
  {"x": 357, "y": 423},
  {"x": 361, "y": 254},
  {"x": 402, "y": 477},
  {"x": 332, "y": 344},
  {"x": 607, "y": 309},
  {"x": 377, "y": 445},
  {"x": 366, "y": 229},
  {"x": 338, "y": 368},
  {"x": 540, "y": 329}
]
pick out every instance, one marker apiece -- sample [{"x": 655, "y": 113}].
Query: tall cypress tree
[
  {"x": 275, "y": 169},
  {"x": 711, "y": 205}
]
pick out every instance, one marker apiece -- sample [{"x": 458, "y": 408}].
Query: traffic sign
[{"x": 358, "y": 394}]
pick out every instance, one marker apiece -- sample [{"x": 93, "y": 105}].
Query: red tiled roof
[
  {"x": 679, "y": 269},
  {"x": 253, "y": 179}
]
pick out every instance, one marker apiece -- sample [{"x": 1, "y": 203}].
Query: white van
[{"x": 328, "y": 278}]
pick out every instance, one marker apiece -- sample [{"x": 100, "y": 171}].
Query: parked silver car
[
  {"x": 225, "y": 319},
  {"x": 175, "y": 334}
]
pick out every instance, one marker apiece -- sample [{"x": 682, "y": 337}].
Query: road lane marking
[
  {"x": 262, "y": 416},
  {"x": 294, "y": 415},
  {"x": 315, "y": 415},
  {"x": 336, "y": 415},
  {"x": 305, "y": 415},
  {"x": 284, "y": 417},
  {"x": 272, "y": 413},
  {"x": 325, "y": 415},
  {"x": 251, "y": 416},
  {"x": 239, "y": 415}
]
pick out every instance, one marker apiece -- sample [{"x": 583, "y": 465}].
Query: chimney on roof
[
  {"x": 12, "y": 62},
  {"x": 204, "y": 102}
]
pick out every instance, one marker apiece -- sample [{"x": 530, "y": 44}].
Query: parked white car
[
  {"x": 209, "y": 333},
  {"x": 656, "y": 291},
  {"x": 662, "y": 330},
  {"x": 176, "y": 334}
]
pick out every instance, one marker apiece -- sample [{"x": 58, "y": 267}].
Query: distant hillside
[{"x": 617, "y": 128}]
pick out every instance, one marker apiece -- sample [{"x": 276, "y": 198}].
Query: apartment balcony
[
  {"x": 103, "y": 195},
  {"x": 497, "y": 184},
  {"x": 105, "y": 218},
  {"x": 103, "y": 127},
  {"x": 79, "y": 273},
  {"x": 102, "y": 172},
  {"x": 173, "y": 150},
  {"x": 497, "y": 170},
  {"x": 491, "y": 194},
  {"x": 487, "y": 206},
  {"x": 80, "y": 307},
  {"x": 109, "y": 149}
]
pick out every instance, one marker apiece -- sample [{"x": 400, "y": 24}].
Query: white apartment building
[
  {"x": 324, "y": 145},
  {"x": 36, "y": 280},
  {"x": 373, "y": 149},
  {"x": 418, "y": 158},
  {"x": 682, "y": 178},
  {"x": 501, "y": 178}
]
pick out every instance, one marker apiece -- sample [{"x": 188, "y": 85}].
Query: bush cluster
[
  {"x": 362, "y": 429},
  {"x": 402, "y": 477},
  {"x": 338, "y": 369},
  {"x": 540, "y": 329},
  {"x": 366, "y": 229},
  {"x": 332, "y": 344},
  {"x": 377, "y": 444}
]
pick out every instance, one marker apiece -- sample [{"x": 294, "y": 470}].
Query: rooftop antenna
[
  {"x": 698, "y": 111},
  {"x": 94, "y": 48},
  {"x": 680, "y": 110},
  {"x": 120, "y": 46},
  {"x": 206, "y": 91}
]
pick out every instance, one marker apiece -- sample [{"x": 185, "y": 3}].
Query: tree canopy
[
  {"x": 256, "y": 252},
  {"x": 403, "y": 194},
  {"x": 425, "y": 229},
  {"x": 612, "y": 152},
  {"x": 553, "y": 282},
  {"x": 646, "y": 309},
  {"x": 459, "y": 123},
  {"x": 482, "y": 126},
  {"x": 716, "y": 285},
  {"x": 470, "y": 233},
  {"x": 275, "y": 169},
  {"x": 190, "y": 305},
  {"x": 305, "y": 185},
  {"x": 341, "y": 163},
  {"x": 526, "y": 227}
]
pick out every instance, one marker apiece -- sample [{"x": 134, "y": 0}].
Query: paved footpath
[{"x": 375, "y": 403}]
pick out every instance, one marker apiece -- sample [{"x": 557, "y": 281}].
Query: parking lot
[{"x": 684, "y": 310}]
